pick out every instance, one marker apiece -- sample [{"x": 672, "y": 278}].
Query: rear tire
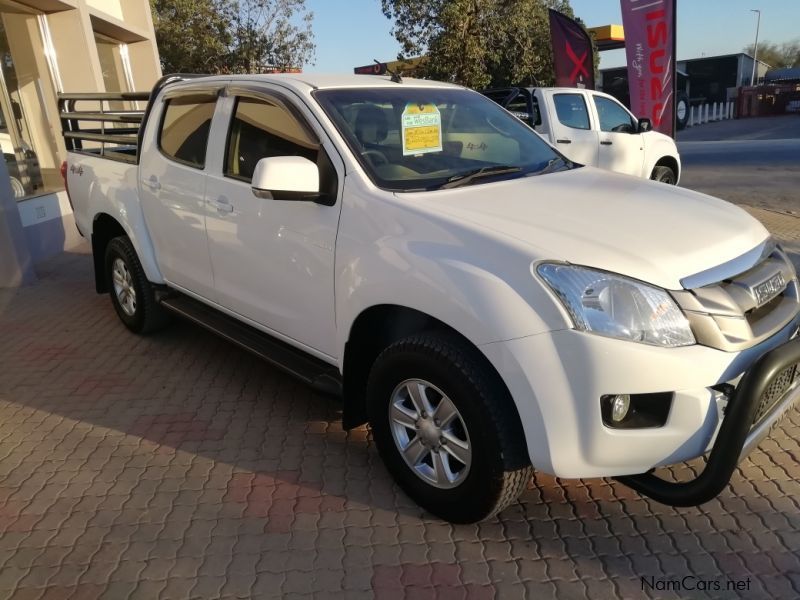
[
  {"x": 682, "y": 111},
  {"x": 477, "y": 423},
  {"x": 664, "y": 175},
  {"x": 132, "y": 295}
]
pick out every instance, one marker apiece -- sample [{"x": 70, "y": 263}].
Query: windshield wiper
[
  {"x": 470, "y": 176},
  {"x": 554, "y": 164}
]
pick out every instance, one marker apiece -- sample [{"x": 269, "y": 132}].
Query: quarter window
[
  {"x": 262, "y": 129},
  {"x": 185, "y": 127},
  {"x": 613, "y": 117},
  {"x": 571, "y": 110}
]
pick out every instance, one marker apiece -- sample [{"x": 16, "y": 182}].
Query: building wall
[
  {"x": 710, "y": 78},
  {"x": 51, "y": 46}
]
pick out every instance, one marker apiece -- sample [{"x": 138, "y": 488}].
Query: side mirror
[
  {"x": 645, "y": 125},
  {"x": 286, "y": 178}
]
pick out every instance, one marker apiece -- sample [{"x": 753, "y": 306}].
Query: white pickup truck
[
  {"x": 593, "y": 128},
  {"x": 487, "y": 306}
]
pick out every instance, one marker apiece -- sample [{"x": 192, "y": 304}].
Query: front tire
[
  {"x": 446, "y": 428},
  {"x": 132, "y": 295},
  {"x": 664, "y": 175}
]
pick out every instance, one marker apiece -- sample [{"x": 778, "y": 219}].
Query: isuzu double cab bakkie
[
  {"x": 486, "y": 305},
  {"x": 593, "y": 128}
]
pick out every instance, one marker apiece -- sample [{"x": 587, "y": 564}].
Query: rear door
[
  {"x": 172, "y": 184},
  {"x": 621, "y": 145},
  {"x": 571, "y": 127}
]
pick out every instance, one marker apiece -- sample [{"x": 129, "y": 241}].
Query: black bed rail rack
[
  {"x": 111, "y": 133},
  {"x": 115, "y": 132}
]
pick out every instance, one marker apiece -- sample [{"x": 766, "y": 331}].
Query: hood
[{"x": 635, "y": 227}]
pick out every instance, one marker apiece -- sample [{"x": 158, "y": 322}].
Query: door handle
[
  {"x": 564, "y": 141},
  {"x": 222, "y": 204},
  {"x": 152, "y": 183},
  {"x": 606, "y": 142}
]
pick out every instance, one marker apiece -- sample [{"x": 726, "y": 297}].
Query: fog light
[
  {"x": 635, "y": 411},
  {"x": 619, "y": 407}
]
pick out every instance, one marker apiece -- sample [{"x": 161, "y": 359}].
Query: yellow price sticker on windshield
[{"x": 422, "y": 129}]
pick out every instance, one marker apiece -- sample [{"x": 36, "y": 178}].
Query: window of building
[
  {"x": 114, "y": 64},
  {"x": 260, "y": 129},
  {"x": 613, "y": 117},
  {"x": 28, "y": 127},
  {"x": 184, "y": 128},
  {"x": 571, "y": 110}
]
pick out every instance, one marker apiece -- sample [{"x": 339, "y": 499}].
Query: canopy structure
[{"x": 608, "y": 37}]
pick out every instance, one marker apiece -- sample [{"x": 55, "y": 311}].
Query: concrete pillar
[
  {"x": 690, "y": 123},
  {"x": 16, "y": 266}
]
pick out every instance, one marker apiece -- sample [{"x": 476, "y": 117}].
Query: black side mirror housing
[{"x": 644, "y": 125}]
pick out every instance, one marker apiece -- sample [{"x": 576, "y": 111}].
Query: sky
[{"x": 350, "y": 33}]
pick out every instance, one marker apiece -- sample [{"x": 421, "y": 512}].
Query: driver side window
[
  {"x": 260, "y": 129},
  {"x": 613, "y": 117}
]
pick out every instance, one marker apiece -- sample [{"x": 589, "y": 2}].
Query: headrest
[{"x": 371, "y": 125}]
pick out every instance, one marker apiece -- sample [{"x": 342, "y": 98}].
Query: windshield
[{"x": 427, "y": 138}]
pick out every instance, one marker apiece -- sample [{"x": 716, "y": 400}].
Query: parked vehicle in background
[
  {"x": 487, "y": 306},
  {"x": 593, "y": 128},
  {"x": 22, "y": 164}
]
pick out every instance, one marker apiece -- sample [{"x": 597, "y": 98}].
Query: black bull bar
[{"x": 732, "y": 442}]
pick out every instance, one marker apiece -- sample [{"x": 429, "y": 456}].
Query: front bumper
[
  {"x": 737, "y": 435},
  {"x": 557, "y": 379}
]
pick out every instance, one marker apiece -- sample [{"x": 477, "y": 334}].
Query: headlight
[{"x": 618, "y": 307}]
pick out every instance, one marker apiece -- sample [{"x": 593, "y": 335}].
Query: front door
[
  {"x": 621, "y": 144},
  {"x": 273, "y": 259},
  {"x": 572, "y": 131}
]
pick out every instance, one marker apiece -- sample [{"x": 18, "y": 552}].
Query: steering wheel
[
  {"x": 379, "y": 157},
  {"x": 623, "y": 128}
]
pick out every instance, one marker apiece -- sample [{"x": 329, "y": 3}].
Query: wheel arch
[
  {"x": 373, "y": 330},
  {"x": 104, "y": 229},
  {"x": 672, "y": 163}
]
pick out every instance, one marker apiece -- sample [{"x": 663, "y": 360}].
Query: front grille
[
  {"x": 775, "y": 391},
  {"x": 726, "y": 314}
]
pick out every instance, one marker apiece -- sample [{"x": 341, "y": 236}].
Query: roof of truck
[{"x": 306, "y": 81}]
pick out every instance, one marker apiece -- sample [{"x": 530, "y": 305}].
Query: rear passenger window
[
  {"x": 571, "y": 110},
  {"x": 184, "y": 128},
  {"x": 262, "y": 129}
]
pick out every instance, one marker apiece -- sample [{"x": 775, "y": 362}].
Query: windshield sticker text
[{"x": 422, "y": 129}]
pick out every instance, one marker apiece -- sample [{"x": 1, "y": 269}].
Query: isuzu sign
[{"x": 650, "y": 49}]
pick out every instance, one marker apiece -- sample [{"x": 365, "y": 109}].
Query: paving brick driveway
[{"x": 177, "y": 466}]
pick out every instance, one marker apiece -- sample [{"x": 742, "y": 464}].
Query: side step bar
[{"x": 321, "y": 376}]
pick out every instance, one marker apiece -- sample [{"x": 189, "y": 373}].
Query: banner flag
[
  {"x": 650, "y": 49},
  {"x": 573, "y": 59}
]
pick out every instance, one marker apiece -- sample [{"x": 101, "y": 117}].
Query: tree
[
  {"x": 265, "y": 35},
  {"x": 477, "y": 43},
  {"x": 191, "y": 35},
  {"x": 778, "y": 56},
  {"x": 232, "y": 36}
]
